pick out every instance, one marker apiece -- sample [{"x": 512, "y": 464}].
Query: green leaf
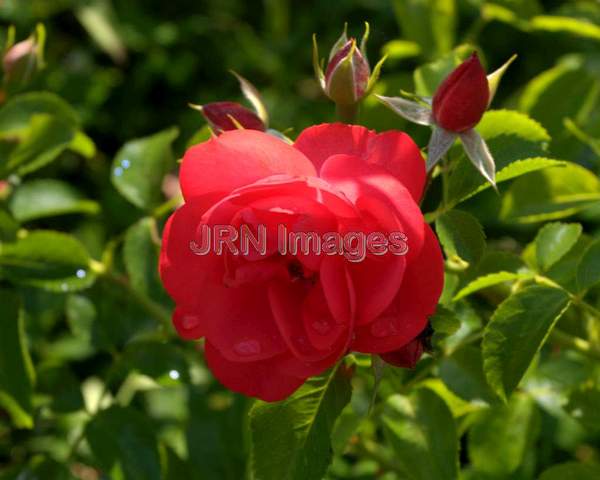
[
  {"x": 516, "y": 332},
  {"x": 16, "y": 370},
  {"x": 216, "y": 434},
  {"x": 140, "y": 255},
  {"x": 124, "y": 445},
  {"x": 544, "y": 98},
  {"x": 83, "y": 145},
  {"x": 16, "y": 114},
  {"x": 397, "y": 50},
  {"x": 47, "y": 198},
  {"x": 553, "y": 241},
  {"x": 572, "y": 471},
  {"x": 98, "y": 19},
  {"x": 501, "y": 437},
  {"x": 461, "y": 235},
  {"x": 431, "y": 24},
  {"x": 291, "y": 438},
  {"x": 517, "y": 144},
  {"x": 462, "y": 373},
  {"x": 562, "y": 24},
  {"x": 8, "y": 226},
  {"x": 550, "y": 194},
  {"x": 588, "y": 267},
  {"x": 47, "y": 137},
  {"x": 487, "y": 281},
  {"x": 583, "y": 406},
  {"x": 49, "y": 260},
  {"x": 421, "y": 430},
  {"x": 444, "y": 321},
  {"x": 140, "y": 166}
]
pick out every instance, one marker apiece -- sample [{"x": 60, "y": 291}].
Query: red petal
[
  {"x": 399, "y": 155},
  {"x": 338, "y": 289},
  {"x": 237, "y": 158},
  {"x": 261, "y": 379},
  {"x": 405, "y": 357},
  {"x": 320, "y": 142},
  {"x": 406, "y": 318},
  {"x": 188, "y": 325},
  {"x": 238, "y": 321},
  {"x": 358, "y": 179},
  {"x": 287, "y": 303},
  {"x": 462, "y": 98},
  {"x": 182, "y": 272}
]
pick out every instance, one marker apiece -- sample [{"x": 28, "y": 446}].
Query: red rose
[
  {"x": 271, "y": 321},
  {"x": 462, "y": 98}
]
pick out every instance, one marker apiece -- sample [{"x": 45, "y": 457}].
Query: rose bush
[{"x": 271, "y": 321}]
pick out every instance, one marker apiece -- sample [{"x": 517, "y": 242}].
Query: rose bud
[
  {"x": 4, "y": 189},
  {"x": 23, "y": 59},
  {"x": 407, "y": 356},
  {"x": 347, "y": 74},
  {"x": 462, "y": 98},
  {"x": 223, "y": 116},
  {"x": 458, "y": 105},
  {"x": 347, "y": 78}
]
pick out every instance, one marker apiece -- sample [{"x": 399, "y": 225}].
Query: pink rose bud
[
  {"x": 224, "y": 116},
  {"x": 407, "y": 356},
  {"x": 462, "y": 98},
  {"x": 20, "y": 61},
  {"x": 347, "y": 74}
]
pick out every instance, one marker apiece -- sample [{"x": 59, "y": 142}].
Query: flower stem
[
  {"x": 582, "y": 346},
  {"x": 156, "y": 310},
  {"x": 346, "y": 113},
  {"x": 167, "y": 207}
]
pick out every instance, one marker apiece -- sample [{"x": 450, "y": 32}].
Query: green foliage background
[{"x": 93, "y": 381}]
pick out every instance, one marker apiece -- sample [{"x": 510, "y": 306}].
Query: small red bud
[
  {"x": 20, "y": 61},
  {"x": 224, "y": 116},
  {"x": 407, "y": 356},
  {"x": 347, "y": 74},
  {"x": 462, "y": 98}
]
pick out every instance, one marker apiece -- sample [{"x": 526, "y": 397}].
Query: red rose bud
[
  {"x": 224, "y": 116},
  {"x": 407, "y": 356},
  {"x": 347, "y": 74},
  {"x": 462, "y": 98}
]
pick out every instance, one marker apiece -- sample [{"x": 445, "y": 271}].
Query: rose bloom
[{"x": 272, "y": 321}]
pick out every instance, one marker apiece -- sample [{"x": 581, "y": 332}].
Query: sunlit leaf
[
  {"x": 517, "y": 331},
  {"x": 49, "y": 260},
  {"x": 550, "y": 194},
  {"x": 421, "y": 430},
  {"x": 501, "y": 437},
  {"x": 48, "y": 197},
  {"x": 461, "y": 235},
  {"x": 140, "y": 166},
  {"x": 124, "y": 444},
  {"x": 16, "y": 370},
  {"x": 553, "y": 241},
  {"x": 291, "y": 438}
]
